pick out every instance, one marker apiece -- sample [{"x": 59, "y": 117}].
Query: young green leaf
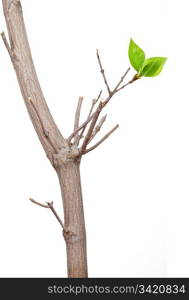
[
  {"x": 152, "y": 66},
  {"x": 136, "y": 56}
]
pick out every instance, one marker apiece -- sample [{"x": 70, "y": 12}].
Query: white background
[{"x": 136, "y": 185}]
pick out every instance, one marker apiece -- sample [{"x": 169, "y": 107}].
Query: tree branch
[
  {"x": 20, "y": 54},
  {"x": 98, "y": 127},
  {"x": 102, "y": 140},
  {"x": 101, "y": 105},
  {"x": 91, "y": 127},
  {"x": 94, "y": 101},
  {"x": 121, "y": 80},
  {"x": 77, "y": 117},
  {"x": 45, "y": 132},
  {"x": 49, "y": 205},
  {"x": 103, "y": 72},
  {"x": 135, "y": 77},
  {"x": 80, "y": 127}
]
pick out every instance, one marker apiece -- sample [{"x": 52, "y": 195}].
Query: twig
[
  {"x": 98, "y": 111},
  {"x": 136, "y": 77},
  {"x": 102, "y": 140},
  {"x": 77, "y": 117},
  {"x": 91, "y": 127},
  {"x": 101, "y": 105},
  {"x": 94, "y": 101},
  {"x": 121, "y": 80},
  {"x": 49, "y": 205},
  {"x": 123, "y": 86},
  {"x": 80, "y": 127},
  {"x": 6, "y": 43},
  {"x": 98, "y": 127},
  {"x": 103, "y": 72},
  {"x": 45, "y": 132}
]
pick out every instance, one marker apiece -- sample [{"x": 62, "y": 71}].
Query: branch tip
[
  {"x": 103, "y": 72},
  {"x": 102, "y": 140}
]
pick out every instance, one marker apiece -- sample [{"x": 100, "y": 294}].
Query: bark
[
  {"x": 62, "y": 155},
  {"x": 74, "y": 224}
]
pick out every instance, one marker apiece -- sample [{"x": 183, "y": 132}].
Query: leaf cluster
[{"x": 149, "y": 67}]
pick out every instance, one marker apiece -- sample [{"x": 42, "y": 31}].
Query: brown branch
[
  {"x": 49, "y": 205},
  {"x": 121, "y": 80},
  {"x": 123, "y": 86},
  {"x": 98, "y": 127},
  {"x": 94, "y": 101},
  {"x": 100, "y": 107},
  {"x": 102, "y": 140},
  {"x": 89, "y": 118},
  {"x": 80, "y": 127},
  {"x": 136, "y": 77},
  {"x": 91, "y": 127},
  {"x": 45, "y": 132},
  {"x": 69, "y": 177},
  {"x": 103, "y": 72},
  {"x": 19, "y": 51},
  {"x": 77, "y": 117}
]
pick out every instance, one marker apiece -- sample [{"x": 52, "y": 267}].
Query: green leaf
[
  {"x": 136, "y": 56},
  {"x": 152, "y": 66}
]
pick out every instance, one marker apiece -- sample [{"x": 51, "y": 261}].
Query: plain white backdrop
[{"x": 136, "y": 185}]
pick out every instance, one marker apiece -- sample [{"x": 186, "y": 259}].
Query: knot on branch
[
  {"x": 13, "y": 4},
  {"x": 70, "y": 236},
  {"x": 65, "y": 155}
]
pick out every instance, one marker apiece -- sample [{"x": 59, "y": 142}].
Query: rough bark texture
[
  {"x": 74, "y": 226},
  {"x": 63, "y": 156}
]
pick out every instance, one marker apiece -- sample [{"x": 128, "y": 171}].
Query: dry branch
[
  {"x": 102, "y": 140},
  {"x": 103, "y": 72},
  {"x": 98, "y": 127},
  {"x": 49, "y": 205},
  {"x": 50, "y": 138},
  {"x": 58, "y": 149},
  {"x": 77, "y": 117},
  {"x": 94, "y": 101}
]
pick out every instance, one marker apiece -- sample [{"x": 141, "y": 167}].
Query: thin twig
[
  {"x": 77, "y": 117},
  {"x": 123, "y": 86},
  {"x": 102, "y": 140},
  {"x": 6, "y": 43},
  {"x": 80, "y": 127},
  {"x": 121, "y": 80},
  {"x": 89, "y": 118},
  {"x": 91, "y": 127},
  {"x": 45, "y": 132},
  {"x": 98, "y": 111},
  {"x": 94, "y": 101},
  {"x": 98, "y": 127},
  {"x": 49, "y": 205},
  {"x": 136, "y": 77},
  {"x": 103, "y": 72},
  {"x": 102, "y": 104}
]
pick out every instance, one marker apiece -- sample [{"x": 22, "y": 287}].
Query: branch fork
[
  {"x": 51, "y": 207},
  {"x": 92, "y": 117}
]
